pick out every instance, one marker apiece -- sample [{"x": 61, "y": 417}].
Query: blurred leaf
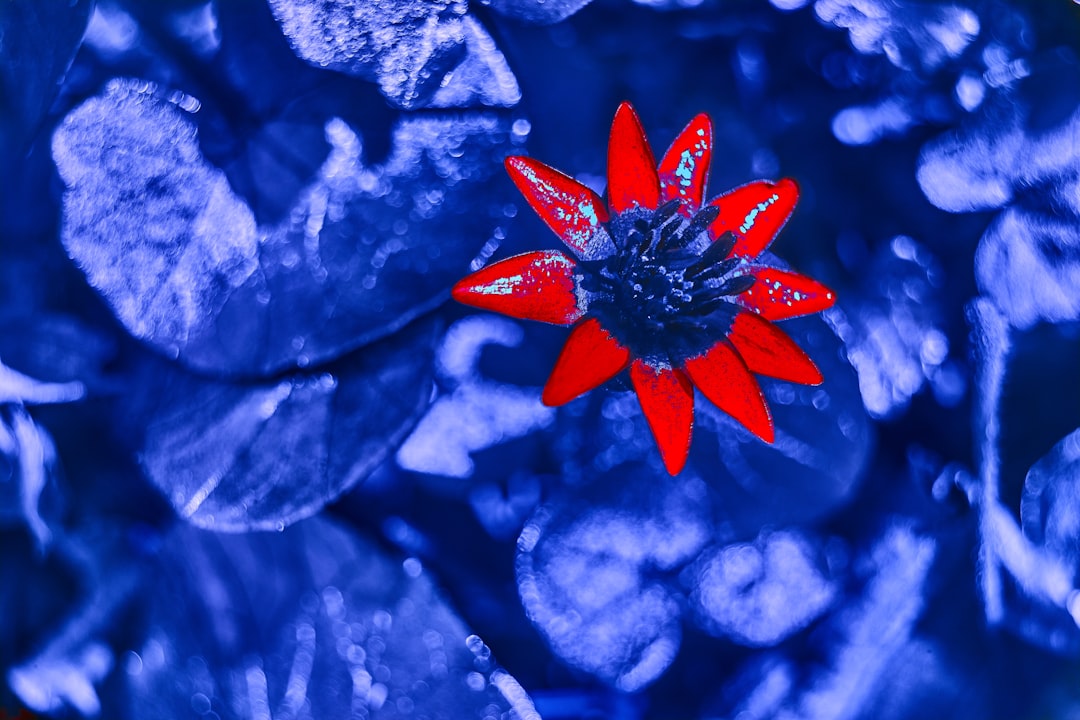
[
  {"x": 1043, "y": 606},
  {"x": 1051, "y": 497},
  {"x": 760, "y": 593},
  {"x": 893, "y": 330},
  {"x": 477, "y": 413},
  {"x": 27, "y": 453},
  {"x": 316, "y": 622},
  {"x": 912, "y": 35},
  {"x": 997, "y": 161},
  {"x": 38, "y": 39},
  {"x": 1028, "y": 263},
  {"x": 540, "y": 12},
  {"x": 823, "y": 443},
  {"x": 1027, "y": 259},
  {"x": 238, "y": 457},
  {"x": 421, "y": 53},
  {"x": 602, "y": 549},
  {"x": 95, "y": 568},
  {"x": 27, "y": 464},
  {"x": 873, "y": 638},
  {"x": 594, "y": 574},
  {"x": 180, "y": 259},
  {"x": 1036, "y": 596},
  {"x": 55, "y": 683},
  {"x": 56, "y": 346},
  {"x": 18, "y": 388},
  {"x": 970, "y": 171}
]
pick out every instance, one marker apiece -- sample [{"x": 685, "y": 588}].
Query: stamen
[
  {"x": 724, "y": 244},
  {"x": 656, "y": 294},
  {"x": 700, "y": 308},
  {"x": 701, "y": 221},
  {"x": 664, "y": 212},
  {"x": 714, "y": 255},
  {"x": 736, "y": 285},
  {"x": 667, "y": 233}
]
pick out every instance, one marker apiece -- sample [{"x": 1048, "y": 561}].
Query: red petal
[
  {"x": 722, "y": 377},
  {"x": 533, "y": 286},
  {"x": 632, "y": 176},
  {"x": 778, "y": 294},
  {"x": 685, "y": 166},
  {"x": 667, "y": 399},
  {"x": 589, "y": 358},
  {"x": 569, "y": 208},
  {"x": 755, "y": 213},
  {"x": 767, "y": 350}
]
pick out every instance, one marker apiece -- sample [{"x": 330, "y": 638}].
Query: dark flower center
[{"x": 666, "y": 292}]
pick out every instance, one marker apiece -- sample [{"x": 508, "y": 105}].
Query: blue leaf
[
  {"x": 476, "y": 413},
  {"x": 183, "y": 264},
  {"x": 593, "y": 575},
  {"x": 892, "y": 328},
  {"x": 27, "y": 453},
  {"x": 422, "y": 54},
  {"x": 27, "y": 465},
  {"x": 824, "y": 441},
  {"x": 39, "y": 39},
  {"x": 1026, "y": 262},
  {"x": 55, "y": 346},
  {"x": 259, "y": 456},
  {"x": 1051, "y": 498},
  {"x": 55, "y": 683},
  {"x": 760, "y": 593},
  {"x": 1035, "y": 593},
  {"x": 333, "y": 627},
  {"x": 964, "y": 172},
  {"x": 911, "y": 35},
  {"x": 872, "y": 661},
  {"x": 37, "y": 43},
  {"x": 540, "y": 12}
]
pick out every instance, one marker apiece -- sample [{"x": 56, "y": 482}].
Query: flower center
[{"x": 667, "y": 292}]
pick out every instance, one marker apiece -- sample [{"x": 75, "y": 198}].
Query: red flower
[{"x": 658, "y": 283}]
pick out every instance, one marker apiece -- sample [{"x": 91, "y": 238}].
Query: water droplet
[
  {"x": 200, "y": 703},
  {"x": 475, "y": 681},
  {"x": 133, "y": 664},
  {"x": 412, "y": 567},
  {"x": 521, "y": 127}
]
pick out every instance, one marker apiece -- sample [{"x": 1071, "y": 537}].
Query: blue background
[{"x": 255, "y": 464}]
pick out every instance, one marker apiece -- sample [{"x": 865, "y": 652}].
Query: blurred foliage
[{"x": 227, "y": 234}]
